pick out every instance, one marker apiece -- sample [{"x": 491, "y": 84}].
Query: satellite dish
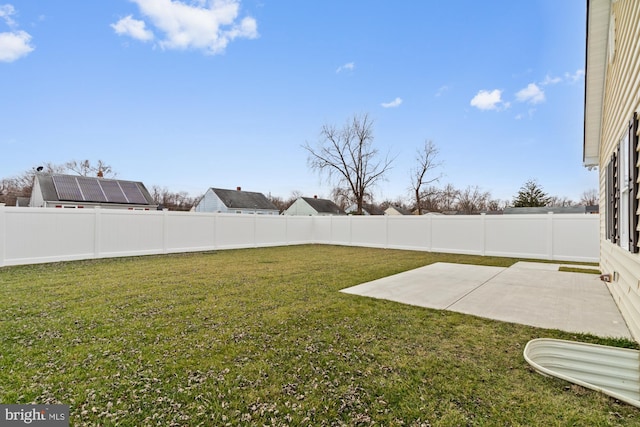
[{"x": 39, "y": 168}]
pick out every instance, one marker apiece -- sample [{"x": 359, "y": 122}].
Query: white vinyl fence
[{"x": 38, "y": 235}]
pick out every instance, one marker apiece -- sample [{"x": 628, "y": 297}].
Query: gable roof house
[
  {"x": 71, "y": 191},
  {"x": 235, "y": 201},
  {"x": 314, "y": 207},
  {"x": 367, "y": 209},
  {"x": 612, "y": 106},
  {"x": 397, "y": 210}
]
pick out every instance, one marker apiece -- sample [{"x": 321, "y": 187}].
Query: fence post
[
  {"x": 483, "y": 223},
  {"x": 386, "y": 234},
  {"x": 430, "y": 230},
  {"x": 165, "y": 229},
  {"x": 550, "y": 219},
  {"x": 214, "y": 224},
  {"x": 97, "y": 230},
  {"x": 3, "y": 233}
]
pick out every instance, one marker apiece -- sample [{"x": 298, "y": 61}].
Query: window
[{"x": 622, "y": 191}]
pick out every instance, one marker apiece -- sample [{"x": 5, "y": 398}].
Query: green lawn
[{"x": 263, "y": 337}]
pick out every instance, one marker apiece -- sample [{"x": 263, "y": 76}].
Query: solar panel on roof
[
  {"x": 132, "y": 192},
  {"x": 113, "y": 192},
  {"x": 67, "y": 187},
  {"x": 91, "y": 189}
]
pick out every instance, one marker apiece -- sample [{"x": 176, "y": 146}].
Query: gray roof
[
  {"x": 553, "y": 209},
  {"x": 401, "y": 210},
  {"x": 238, "y": 199},
  {"x": 51, "y": 194},
  {"x": 323, "y": 205}
]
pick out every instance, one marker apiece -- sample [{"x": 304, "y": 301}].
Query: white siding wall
[
  {"x": 622, "y": 99},
  {"x": 300, "y": 207},
  {"x": 36, "y": 201},
  {"x": 210, "y": 202},
  {"x": 36, "y": 235}
]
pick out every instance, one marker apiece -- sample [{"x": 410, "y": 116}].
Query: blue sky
[{"x": 197, "y": 94}]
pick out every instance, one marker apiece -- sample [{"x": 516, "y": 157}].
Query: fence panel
[
  {"x": 35, "y": 235},
  {"x": 409, "y": 232},
  {"x": 369, "y": 231},
  {"x": 461, "y": 234},
  {"x": 194, "y": 232},
  {"x": 125, "y": 233},
  {"x": 519, "y": 236},
  {"x": 576, "y": 239}
]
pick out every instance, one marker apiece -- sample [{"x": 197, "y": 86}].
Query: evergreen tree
[{"x": 531, "y": 195}]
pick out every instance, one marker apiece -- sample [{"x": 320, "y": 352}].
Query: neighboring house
[
  {"x": 235, "y": 201},
  {"x": 71, "y": 191},
  {"x": 397, "y": 210},
  {"x": 312, "y": 206},
  {"x": 553, "y": 209},
  {"x": 367, "y": 209},
  {"x": 612, "y": 103},
  {"x": 22, "y": 202}
]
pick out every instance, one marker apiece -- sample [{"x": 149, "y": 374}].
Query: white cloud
[
  {"x": 6, "y": 10},
  {"x": 530, "y": 114},
  {"x": 128, "y": 26},
  {"x": 572, "y": 78},
  {"x": 206, "y": 25},
  {"x": 348, "y": 66},
  {"x": 13, "y": 44},
  {"x": 442, "y": 90},
  {"x": 485, "y": 100},
  {"x": 549, "y": 80},
  {"x": 531, "y": 94},
  {"x": 395, "y": 103}
]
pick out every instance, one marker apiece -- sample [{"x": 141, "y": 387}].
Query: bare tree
[
  {"x": 495, "y": 205},
  {"x": 430, "y": 200},
  {"x": 472, "y": 200},
  {"x": 283, "y": 204},
  {"x": 590, "y": 197},
  {"x": 342, "y": 197},
  {"x": 560, "y": 202},
  {"x": 348, "y": 156},
  {"x": 175, "y": 201},
  {"x": 449, "y": 197},
  {"x": 86, "y": 168},
  {"x": 426, "y": 162}
]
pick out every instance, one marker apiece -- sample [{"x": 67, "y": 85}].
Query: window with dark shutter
[
  {"x": 633, "y": 185},
  {"x": 610, "y": 182},
  {"x": 621, "y": 190}
]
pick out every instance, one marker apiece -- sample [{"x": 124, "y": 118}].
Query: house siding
[
  {"x": 621, "y": 102},
  {"x": 300, "y": 207},
  {"x": 210, "y": 202},
  {"x": 215, "y": 202}
]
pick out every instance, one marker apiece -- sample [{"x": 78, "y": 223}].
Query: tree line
[{"x": 348, "y": 159}]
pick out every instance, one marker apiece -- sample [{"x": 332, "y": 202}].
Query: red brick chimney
[
  {"x": 239, "y": 188},
  {"x": 315, "y": 196}
]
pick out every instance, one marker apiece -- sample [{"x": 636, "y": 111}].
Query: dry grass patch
[{"x": 263, "y": 337}]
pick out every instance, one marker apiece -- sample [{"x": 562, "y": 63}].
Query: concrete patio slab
[
  {"x": 529, "y": 293},
  {"x": 437, "y": 285}
]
